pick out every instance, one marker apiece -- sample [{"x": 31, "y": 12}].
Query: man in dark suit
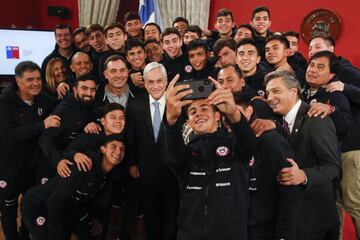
[
  {"x": 317, "y": 156},
  {"x": 145, "y": 138}
]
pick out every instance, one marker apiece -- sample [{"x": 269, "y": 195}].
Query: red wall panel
[{"x": 288, "y": 15}]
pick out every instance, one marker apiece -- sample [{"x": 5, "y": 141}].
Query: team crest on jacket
[
  {"x": 313, "y": 101},
  {"x": 261, "y": 92},
  {"x": 43, "y": 180},
  {"x": 40, "y": 111},
  {"x": 222, "y": 151},
  {"x": 188, "y": 68},
  {"x": 3, "y": 184},
  {"x": 40, "y": 221}
]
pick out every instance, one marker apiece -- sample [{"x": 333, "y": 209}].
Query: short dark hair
[
  {"x": 62, "y": 26},
  {"x": 113, "y": 137},
  {"x": 93, "y": 28},
  {"x": 291, "y": 34},
  {"x": 249, "y": 41},
  {"x": 221, "y": 43},
  {"x": 195, "y": 29},
  {"x": 224, "y": 12},
  {"x": 197, "y": 43},
  {"x": 180, "y": 19},
  {"x": 26, "y": 66},
  {"x": 247, "y": 26},
  {"x": 330, "y": 41},
  {"x": 260, "y": 9},
  {"x": 78, "y": 31},
  {"x": 168, "y": 31},
  {"x": 113, "y": 25},
  {"x": 236, "y": 68},
  {"x": 131, "y": 16},
  {"x": 133, "y": 42},
  {"x": 153, "y": 24},
  {"x": 333, "y": 59},
  {"x": 242, "y": 98},
  {"x": 283, "y": 40},
  {"x": 109, "y": 107},
  {"x": 85, "y": 77},
  {"x": 151, "y": 40},
  {"x": 114, "y": 58}
]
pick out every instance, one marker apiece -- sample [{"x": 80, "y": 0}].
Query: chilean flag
[
  {"x": 149, "y": 12},
  {"x": 12, "y": 52}
]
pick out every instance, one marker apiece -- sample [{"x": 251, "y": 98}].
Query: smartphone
[{"x": 201, "y": 88}]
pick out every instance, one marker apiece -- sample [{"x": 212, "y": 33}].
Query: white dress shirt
[{"x": 291, "y": 116}]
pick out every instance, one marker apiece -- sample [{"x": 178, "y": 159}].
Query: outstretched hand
[
  {"x": 174, "y": 94},
  {"x": 223, "y": 99}
]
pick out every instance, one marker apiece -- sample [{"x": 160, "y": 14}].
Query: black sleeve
[
  {"x": 349, "y": 74},
  {"x": 11, "y": 132},
  {"x": 47, "y": 143},
  {"x": 175, "y": 148},
  {"x": 81, "y": 143},
  {"x": 352, "y": 92},
  {"x": 341, "y": 116},
  {"x": 57, "y": 203},
  {"x": 323, "y": 139},
  {"x": 245, "y": 138},
  {"x": 290, "y": 196}
]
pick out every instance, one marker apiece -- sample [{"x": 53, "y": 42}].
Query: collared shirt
[
  {"x": 122, "y": 99},
  {"x": 161, "y": 101},
  {"x": 291, "y": 116}
]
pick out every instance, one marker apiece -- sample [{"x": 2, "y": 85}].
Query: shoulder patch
[{"x": 222, "y": 151}]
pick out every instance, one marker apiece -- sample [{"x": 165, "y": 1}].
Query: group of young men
[{"x": 271, "y": 153}]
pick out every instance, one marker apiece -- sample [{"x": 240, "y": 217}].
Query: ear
[
  {"x": 249, "y": 111},
  {"x": 72, "y": 68},
  {"x": 287, "y": 52},
  {"x": 251, "y": 24},
  {"x": 258, "y": 59},
  {"x": 269, "y": 24},
  {"x": 102, "y": 149},
  {"x": 18, "y": 81},
  {"x": 331, "y": 49},
  {"x": 217, "y": 116},
  {"x": 125, "y": 36},
  {"x": 91, "y": 66},
  {"x": 332, "y": 75},
  {"x": 74, "y": 90},
  {"x": 102, "y": 120}
]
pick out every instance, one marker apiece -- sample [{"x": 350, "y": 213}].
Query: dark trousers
[
  {"x": 160, "y": 206},
  {"x": 11, "y": 187}
]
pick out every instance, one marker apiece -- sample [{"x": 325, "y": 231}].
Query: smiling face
[
  {"x": 189, "y": 36},
  {"x": 224, "y": 25},
  {"x": 202, "y": 118},
  {"x": 85, "y": 91},
  {"x": 280, "y": 98},
  {"x": 133, "y": 28},
  {"x": 155, "y": 83},
  {"x": 59, "y": 72},
  {"x": 63, "y": 38},
  {"x": 276, "y": 53},
  {"x": 136, "y": 57},
  {"x": 247, "y": 59},
  {"x": 115, "y": 38},
  {"x": 151, "y": 32},
  {"x": 113, "y": 122},
  {"x": 80, "y": 64},
  {"x": 226, "y": 56},
  {"x": 294, "y": 44},
  {"x": 242, "y": 33},
  {"x": 230, "y": 79},
  {"x": 198, "y": 58},
  {"x": 81, "y": 42},
  {"x": 117, "y": 74},
  {"x": 97, "y": 41},
  {"x": 172, "y": 45},
  {"x": 29, "y": 85},
  {"x": 113, "y": 153},
  {"x": 261, "y": 23},
  {"x": 318, "y": 72},
  {"x": 318, "y": 45},
  {"x": 154, "y": 52}
]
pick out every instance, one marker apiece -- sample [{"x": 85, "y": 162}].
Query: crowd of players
[{"x": 272, "y": 153}]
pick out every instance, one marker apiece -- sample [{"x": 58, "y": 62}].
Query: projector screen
[{"x": 21, "y": 45}]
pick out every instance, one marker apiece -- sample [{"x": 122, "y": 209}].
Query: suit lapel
[
  {"x": 298, "y": 122},
  {"x": 147, "y": 115}
]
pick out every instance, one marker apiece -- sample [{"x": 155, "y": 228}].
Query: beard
[{"x": 85, "y": 100}]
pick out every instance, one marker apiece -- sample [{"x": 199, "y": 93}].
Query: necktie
[
  {"x": 157, "y": 120},
  {"x": 286, "y": 129}
]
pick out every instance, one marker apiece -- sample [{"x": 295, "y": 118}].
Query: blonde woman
[{"x": 56, "y": 74}]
